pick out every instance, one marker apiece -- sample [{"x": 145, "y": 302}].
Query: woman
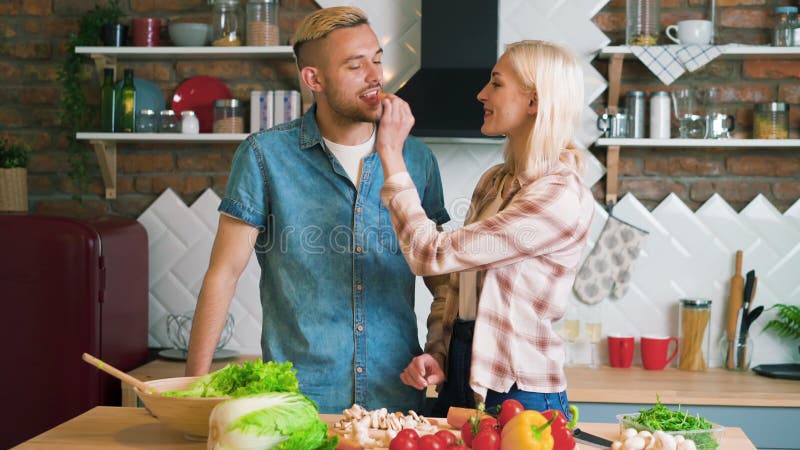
[{"x": 514, "y": 262}]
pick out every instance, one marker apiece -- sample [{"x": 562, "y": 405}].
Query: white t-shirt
[{"x": 351, "y": 157}]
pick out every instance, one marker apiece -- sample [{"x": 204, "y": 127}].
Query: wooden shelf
[
  {"x": 705, "y": 143},
  {"x": 150, "y": 53},
  {"x": 728, "y": 51},
  {"x": 161, "y": 137}
]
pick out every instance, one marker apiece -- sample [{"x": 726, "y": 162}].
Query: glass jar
[
  {"x": 785, "y": 23},
  {"x": 695, "y": 336},
  {"x": 226, "y": 23},
  {"x": 262, "y": 22},
  {"x": 643, "y": 19},
  {"x": 146, "y": 122},
  {"x": 771, "y": 121},
  {"x": 189, "y": 123},
  {"x": 228, "y": 116},
  {"x": 168, "y": 122}
]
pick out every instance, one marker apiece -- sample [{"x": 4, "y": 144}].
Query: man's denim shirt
[{"x": 336, "y": 292}]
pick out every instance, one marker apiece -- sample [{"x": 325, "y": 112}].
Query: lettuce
[{"x": 252, "y": 377}]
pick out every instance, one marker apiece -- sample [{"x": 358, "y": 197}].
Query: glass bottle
[
  {"x": 695, "y": 336},
  {"x": 126, "y": 113},
  {"x": 783, "y": 31},
  {"x": 226, "y": 23},
  {"x": 262, "y": 22},
  {"x": 108, "y": 102},
  {"x": 643, "y": 22}
]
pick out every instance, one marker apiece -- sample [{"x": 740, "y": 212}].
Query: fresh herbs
[
  {"x": 787, "y": 322},
  {"x": 13, "y": 154},
  {"x": 74, "y": 108},
  {"x": 659, "y": 417},
  {"x": 252, "y": 377}
]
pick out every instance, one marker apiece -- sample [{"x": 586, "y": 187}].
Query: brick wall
[
  {"x": 695, "y": 174},
  {"x": 34, "y": 32}
]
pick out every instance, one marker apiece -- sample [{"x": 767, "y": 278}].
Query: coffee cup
[
  {"x": 691, "y": 32},
  {"x": 719, "y": 125},
  {"x": 146, "y": 31},
  {"x": 655, "y": 350},
  {"x": 620, "y": 351}
]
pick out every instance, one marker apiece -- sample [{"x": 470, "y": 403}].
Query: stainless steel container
[{"x": 635, "y": 104}]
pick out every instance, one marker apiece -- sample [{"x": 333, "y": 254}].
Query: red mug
[
  {"x": 620, "y": 351},
  {"x": 145, "y": 31},
  {"x": 655, "y": 350}
]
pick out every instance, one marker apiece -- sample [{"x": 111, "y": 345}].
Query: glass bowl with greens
[{"x": 705, "y": 434}]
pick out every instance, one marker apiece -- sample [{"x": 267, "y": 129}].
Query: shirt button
[
  {"x": 359, "y": 287},
  {"x": 360, "y": 328},
  {"x": 359, "y": 369},
  {"x": 358, "y": 209},
  {"x": 358, "y": 249}
]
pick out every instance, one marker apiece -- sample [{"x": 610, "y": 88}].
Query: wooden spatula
[
  {"x": 118, "y": 374},
  {"x": 734, "y": 305}
]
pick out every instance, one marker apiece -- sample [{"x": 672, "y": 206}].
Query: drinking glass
[
  {"x": 593, "y": 327},
  {"x": 570, "y": 331},
  {"x": 684, "y": 102}
]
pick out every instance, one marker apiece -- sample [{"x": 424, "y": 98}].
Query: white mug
[{"x": 691, "y": 32}]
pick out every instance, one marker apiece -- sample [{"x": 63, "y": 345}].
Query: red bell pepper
[{"x": 561, "y": 429}]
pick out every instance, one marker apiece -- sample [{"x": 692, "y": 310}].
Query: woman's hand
[
  {"x": 396, "y": 123},
  {"x": 422, "y": 371}
]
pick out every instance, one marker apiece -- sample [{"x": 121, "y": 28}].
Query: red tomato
[
  {"x": 458, "y": 447},
  {"x": 403, "y": 443},
  {"x": 486, "y": 439},
  {"x": 408, "y": 433},
  {"x": 466, "y": 433},
  {"x": 489, "y": 422},
  {"x": 508, "y": 409},
  {"x": 448, "y": 437},
  {"x": 431, "y": 442}
]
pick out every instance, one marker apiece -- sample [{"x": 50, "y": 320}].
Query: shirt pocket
[{"x": 386, "y": 235}]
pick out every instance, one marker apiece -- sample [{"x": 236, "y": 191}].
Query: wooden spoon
[{"x": 118, "y": 374}]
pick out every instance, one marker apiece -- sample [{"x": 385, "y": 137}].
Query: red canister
[{"x": 146, "y": 31}]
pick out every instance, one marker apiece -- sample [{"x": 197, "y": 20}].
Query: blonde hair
[
  {"x": 320, "y": 23},
  {"x": 553, "y": 72}
]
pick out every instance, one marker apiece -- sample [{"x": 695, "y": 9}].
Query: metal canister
[{"x": 634, "y": 103}]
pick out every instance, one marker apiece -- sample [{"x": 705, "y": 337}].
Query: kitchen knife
[
  {"x": 750, "y": 280},
  {"x": 590, "y": 439},
  {"x": 734, "y": 305}
]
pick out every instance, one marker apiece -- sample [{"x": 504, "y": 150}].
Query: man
[{"x": 336, "y": 292}]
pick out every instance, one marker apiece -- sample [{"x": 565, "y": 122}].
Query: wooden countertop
[
  {"x": 605, "y": 384},
  {"x": 108, "y": 427}
]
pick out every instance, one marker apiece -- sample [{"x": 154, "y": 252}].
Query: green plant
[
  {"x": 74, "y": 108},
  {"x": 787, "y": 323},
  {"x": 13, "y": 154}
]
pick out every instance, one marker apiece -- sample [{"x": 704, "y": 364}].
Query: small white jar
[{"x": 189, "y": 123}]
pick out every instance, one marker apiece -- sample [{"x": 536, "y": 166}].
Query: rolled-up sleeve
[{"x": 246, "y": 193}]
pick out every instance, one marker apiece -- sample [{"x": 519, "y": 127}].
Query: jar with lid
[
  {"x": 227, "y": 23},
  {"x": 262, "y": 22},
  {"x": 146, "y": 122},
  {"x": 643, "y": 19},
  {"x": 695, "y": 337},
  {"x": 169, "y": 122},
  {"x": 771, "y": 121},
  {"x": 660, "y": 115},
  {"x": 228, "y": 116},
  {"x": 634, "y": 102},
  {"x": 785, "y": 23},
  {"x": 189, "y": 123}
]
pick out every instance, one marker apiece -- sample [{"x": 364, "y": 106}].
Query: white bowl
[{"x": 185, "y": 34}]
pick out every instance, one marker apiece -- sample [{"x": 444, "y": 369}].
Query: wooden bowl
[{"x": 187, "y": 415}]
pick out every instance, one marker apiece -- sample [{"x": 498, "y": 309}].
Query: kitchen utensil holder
[{"x": 742, "y": 353}]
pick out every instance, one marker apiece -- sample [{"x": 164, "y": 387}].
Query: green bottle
[
  {"x": 127, "y": 104},
  {"x": 108, "y": 103}
]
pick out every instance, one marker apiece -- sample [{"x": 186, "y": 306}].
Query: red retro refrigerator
[{"x": 67, "y": 286}]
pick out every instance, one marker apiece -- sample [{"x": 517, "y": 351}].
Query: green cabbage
[
  {"x": 252, "y": 377},
  {"x": 283, "y": 421}
]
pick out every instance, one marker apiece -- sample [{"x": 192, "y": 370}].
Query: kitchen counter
[
  {"x": 109, "y": 427},
  {"x": 717, "y": 387}
]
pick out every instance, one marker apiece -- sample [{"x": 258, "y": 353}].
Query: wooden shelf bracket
[
  {"x": 612, "y": 152},
  {"x": 106, "y": 153}
]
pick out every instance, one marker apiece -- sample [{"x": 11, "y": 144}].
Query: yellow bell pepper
[{"x": 528, "y": 430}]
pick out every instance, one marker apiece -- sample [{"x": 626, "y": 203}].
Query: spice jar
[
  {"x": 695, "y": 337},
  {"x": 228, "y": 116},
  {"x": 262, "y": 22},
  {"x": 783, "y": 28},
  {"x": 169, "y": 122},
  {"x": 771, "y": 121},
  {"x": 227, "y": 24},
  {"x": 146, "y": 122}
]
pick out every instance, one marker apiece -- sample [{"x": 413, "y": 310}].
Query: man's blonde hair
[
  {"x": 553, "y": 72},
  {"x": 320, "y": 23}
]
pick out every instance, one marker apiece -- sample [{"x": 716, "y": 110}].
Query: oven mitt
[{"x": 607, "y": 269}]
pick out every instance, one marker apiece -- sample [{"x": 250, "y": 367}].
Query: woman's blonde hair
[
  {"x": 322, "y": 22},
  {"x": 554, "y": 74}
]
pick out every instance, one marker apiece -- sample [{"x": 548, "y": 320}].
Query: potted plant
[
  {"x": 14, "y": 158},
  {"x": 787, "y": 322},
  {"x": 75, "y": 114}
]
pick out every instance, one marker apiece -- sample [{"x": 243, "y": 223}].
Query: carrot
[{"x": 456, "y": 417}]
